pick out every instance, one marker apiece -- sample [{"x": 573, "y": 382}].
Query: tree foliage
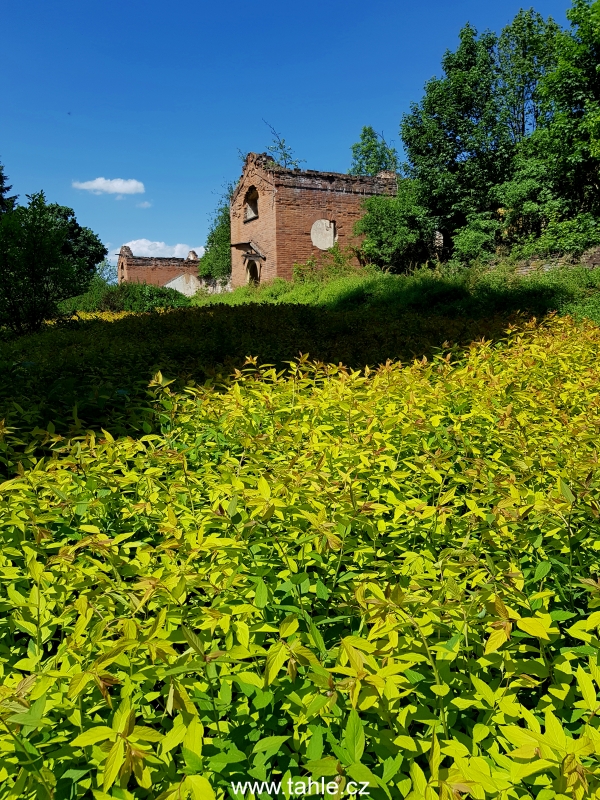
[
  {"x": 7, "y": 203},
  {"x": 398, "y": 230},
  {"x": 372, "y": 154},
  {"x": 505, "y": 145},
  {"x": 216, "y": 260},
  {"x": 42, "y": 261}
]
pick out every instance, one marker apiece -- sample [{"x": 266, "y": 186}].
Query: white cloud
[
  {"x": 145, "y": 204},
  {"x": 145, "y": 247},
  {"x": 118, "y": 186}
]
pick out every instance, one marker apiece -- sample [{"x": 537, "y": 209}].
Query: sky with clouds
[{"x": 132, "y": 112}]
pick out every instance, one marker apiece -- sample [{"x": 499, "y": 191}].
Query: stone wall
[{"x": 290, "y": 202}]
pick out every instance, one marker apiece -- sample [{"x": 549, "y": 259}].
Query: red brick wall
[
  {"x": 154, "y": 271},
  {"x": 262, "y": 230},
  {"x": 290, "y": 201}
]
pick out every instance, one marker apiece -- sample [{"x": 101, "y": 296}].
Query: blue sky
[{"x": 164, "y": 93}]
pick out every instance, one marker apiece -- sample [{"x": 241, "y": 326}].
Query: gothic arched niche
[{"x": 251, "y": 204}]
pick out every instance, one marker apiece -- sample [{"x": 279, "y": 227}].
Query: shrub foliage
[{"x": 388, "y": 577}]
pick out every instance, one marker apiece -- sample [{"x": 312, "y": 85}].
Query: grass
[{"x": 449, "y": 292}]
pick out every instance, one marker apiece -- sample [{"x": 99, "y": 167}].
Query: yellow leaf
[
  {"x": 288, "y": 626},
  {"x": 533, "y": 626},
  {"x": 496, "y": 640},
  {"x": 276, "y": 658},
  {"x": 263, "y": 488},
  {"x": 174, "y": 737},
  {"x": 554, "y": 733},
  {"x": 249, "y": 677},
  {"x": 194, "y": 736},
  {"x": 586, "y": 687},
  {"x": 199, "y": 787},
  {"x": 484, "y": 691}
]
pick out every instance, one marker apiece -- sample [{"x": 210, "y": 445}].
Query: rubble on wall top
[{"x": 126, "y": 252}]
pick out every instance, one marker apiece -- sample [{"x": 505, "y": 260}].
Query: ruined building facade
[
  {"x": 284, "y": 216},
  {"x": 173, "y": 273}
]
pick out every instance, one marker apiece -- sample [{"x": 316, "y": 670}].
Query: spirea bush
[{"x": 388, "y": 577}]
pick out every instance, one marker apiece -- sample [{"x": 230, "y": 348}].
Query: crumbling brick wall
[
  {"x": 290, "y": 202},
  {"x": 154, "y": 271}
]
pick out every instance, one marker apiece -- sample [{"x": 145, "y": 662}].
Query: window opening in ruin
[
  {"x": 253, "y": 273},
  {"x": 251, "y": 202}
]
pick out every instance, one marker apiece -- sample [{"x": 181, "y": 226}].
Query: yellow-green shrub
[{"x": 386, "y": 577}]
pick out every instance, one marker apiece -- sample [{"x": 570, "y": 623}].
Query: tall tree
[
  {"x": 526, "y": 54},
  {"x": 372, "y": 154},
  {"x": 572, "y": 94},
  {"x": 457, "y": 145},
  {"x": 6, "y": 203}
]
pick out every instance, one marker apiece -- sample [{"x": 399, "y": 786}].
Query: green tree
[
  {"x": 372, "y": 154},
  {"x": 216, "y": 260},
  {"x": 6, "y": 203},
  {"x": 458, "y": 146},
  {"x": 399, "y": 232},
  {"x": 81, "y": 245},
  {"x": 551, "y": 203},
  {"x": 569, "y": 143},
  {"x": 527, "y": 52},
  {"x": 35, "y": 270}
]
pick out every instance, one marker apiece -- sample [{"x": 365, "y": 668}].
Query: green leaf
[
  {"x": 566, "y": 491},
  {"x": 194, "y": 642},
  {"x": 113, "y": 764},
  {"x": 484, "y": 691},
  {"x": 269, "y": 743},
  {"x": 262, "y": 594},
  {"x": 93, "y": 735},
  {"x": 314, "y": 749},
  {"x": 354, "y": 737},
  {"x": 322, "y": 591},
  {"x": 323, "y": 767},
  {"x": 542, "y": 569}
]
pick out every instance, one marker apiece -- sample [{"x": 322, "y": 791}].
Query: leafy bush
[
  {"x": 388, "y": 577},
  {"x": 138, "y": 297},
  {"x": 331, "y": 264},
  {"x": 398, "y": 231},
  {"x": 478, "y": 239}
]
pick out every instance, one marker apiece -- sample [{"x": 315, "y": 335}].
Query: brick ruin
[
  {"x": 278, "y": 217},
  {"x": 174, "y": 273},
  {"x": 283, "y": 216}
]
